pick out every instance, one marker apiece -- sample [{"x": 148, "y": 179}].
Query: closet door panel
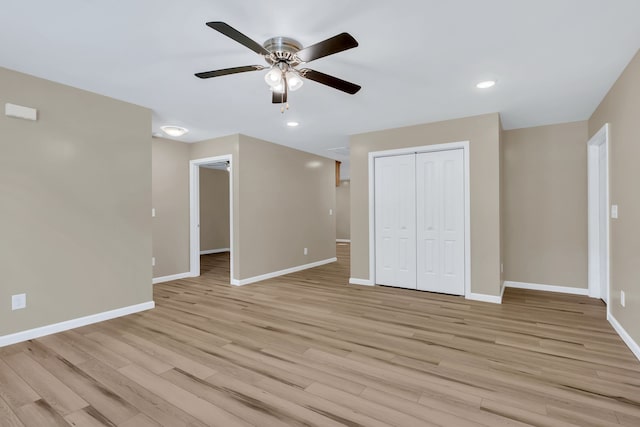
[
  {"x": 440, "y": 221},
  {"x": 395, "y": 221}
]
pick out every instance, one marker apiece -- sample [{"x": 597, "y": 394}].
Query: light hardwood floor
[{"x": 308, "y": 349}]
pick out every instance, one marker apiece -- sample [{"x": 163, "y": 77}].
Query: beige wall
[
  {"x": 75, "y": 215},
  {"x": 281, "y": 200},
  {"x": 285, "y": 196},
  {"x": 343, "y": 210},
  {"x": 545, "y": 218},
  {"x": 170, "y": 195},
  {"x": 214, "y": 209},
  {"x": 483, "y": 134},
  {"x": 621, "y": 108}
]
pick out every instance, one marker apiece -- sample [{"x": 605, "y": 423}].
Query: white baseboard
[
  {"x": 163, "y": 279},
  {"x": 271, "y": 275},
  {"x": 362, "y": 282},
  {"x": 633, "y": 346},
  {"x": 547, "y": 288},
  {"x": 215, "y": 251},
  {"x": 495, "y": 299},
  {"x": 343, "y": 240},
  {"x": 74, "y": 323}
]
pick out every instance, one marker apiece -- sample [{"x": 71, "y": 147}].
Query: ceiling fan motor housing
[{"x": 282, "y": 49}]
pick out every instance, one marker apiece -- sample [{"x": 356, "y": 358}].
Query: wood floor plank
[
  {"x": 338, "y": 412},
  {"x": 60, "y": 346},
  {"x": 140, "y": 420},
  {"x": 439, "y": 413},
  {"x": 7, "y": 416},
  {"x": 88, "y": 417},
  {"x": 15, "y": 391},
  {"x": 380, "y": 412},
  {"x": 105, "y": 405},
  {"x": 297, "y": 367},
  {"x": 95, "y": 350},
  {"x": 295, "y": 415},
  {"x": 143, "y": 399},
  {"x": 253, "y": 411},
  {"x": 308, "y": 349},
  {"x": 201, "y": 409},
  {"x": 130, "y": 353},
  {"x": 40, "y": 414},
  {"x": 165, "y": 355},
  {"x": 54, "y": 392}
]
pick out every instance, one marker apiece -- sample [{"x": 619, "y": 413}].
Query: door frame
[
  {"x": 464, "y": 145},
  {"x": 194, "y": 214},
  {"x": 600, "y": 139}
]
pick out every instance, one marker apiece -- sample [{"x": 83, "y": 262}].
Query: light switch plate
[
  {"x": 614, "y": 211},
  {"x": 18, "y": 301}
]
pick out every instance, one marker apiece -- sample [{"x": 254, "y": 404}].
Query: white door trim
[
  {"x": 194, "y": 209},
  {"x": 464, "y": 145},
  {"x": 600, "y": 139}
]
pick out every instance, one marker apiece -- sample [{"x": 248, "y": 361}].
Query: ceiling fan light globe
[
  {"x": 273, "y": 77},
  {"x": 294, "y": 81},
  {"x": 279, "y": 88}
]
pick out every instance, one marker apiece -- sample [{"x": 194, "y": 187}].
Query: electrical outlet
[
  {"x": 622, "y": 299},
  {"x": 153, "y": 261},
  {"x": 18, "y": 301},
  {"x": 306, "y": 251},
  {"x": 330, "y": 212},
  {"x": 153, "y": 212}
]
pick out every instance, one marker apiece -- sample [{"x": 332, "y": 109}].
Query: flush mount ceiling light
[
  {"x": 174, "y": 131},
  {"x": 292, "y": 124},
  {"x": 283, "y": 55},
  {"x": 486, "y": 84}
]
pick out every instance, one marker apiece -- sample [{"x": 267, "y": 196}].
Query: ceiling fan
[{"x": 283, "y": 56}]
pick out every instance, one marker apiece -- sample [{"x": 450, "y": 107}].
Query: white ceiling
[{"x": 418, "y": 61}]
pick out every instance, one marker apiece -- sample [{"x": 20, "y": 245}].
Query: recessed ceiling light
[
  {"x": 292, "y": 124},
  {"x": 486, "y": 84},
  {"x": 174, "y": 130}
]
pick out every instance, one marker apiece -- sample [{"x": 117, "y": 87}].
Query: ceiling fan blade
[
  {"x": 335, "y": 44},
  {"x": 279, "y": 97},
  {"x": 226, "y": 71},
  {"x": 236, "y": 35},
  {"x": 334, "y": 82}
]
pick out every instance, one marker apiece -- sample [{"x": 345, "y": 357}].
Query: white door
[
  {"x": 440, "y": 221},
  {"x": 603, "y": 216},
  {"x": 395, "y": 221}
]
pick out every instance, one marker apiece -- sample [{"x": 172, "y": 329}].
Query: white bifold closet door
[
  {"x": 440, "y": 221},
  {"x": 419, "y": 221},
  {"x": 395, "y": 216}
]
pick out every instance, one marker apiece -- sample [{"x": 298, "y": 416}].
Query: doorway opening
[
  {"x": 598, "y": 207},
  {"x": 211, "y": 214}
]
